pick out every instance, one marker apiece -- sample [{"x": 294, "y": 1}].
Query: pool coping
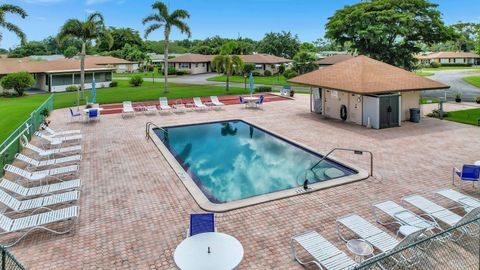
[{"x": 205, "y": 204}]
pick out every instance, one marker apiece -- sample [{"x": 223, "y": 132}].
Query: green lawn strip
[
  {"x": 14, "y": 111},
  {"x": 429, "y": 100},
  {"x": 446, "y": 68},
  {"x": 473, "y": 80},
  {"x": 148, "y": 91},
  {"x": 470, "y": 116},
  {"x": 143, "y": 74},
  {"x": 270, "y": 80},
  {"x": 425, "y": 74}
]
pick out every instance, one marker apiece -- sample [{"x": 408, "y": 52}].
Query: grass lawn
[
  {"x": 425, "y": 74},
  {"x": 429, "y": 100},
  {"x": 446, "y": 68},
  {"x": 14, "y": 111},
  {"x": 270, "y": 80},
  {"x": 473, "y": 80},
  {"x": 143, "y": 74},
  {"x": 470, "y": 117}
]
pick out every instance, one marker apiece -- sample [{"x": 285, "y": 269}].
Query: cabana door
[{"x": 389, "y": 111}]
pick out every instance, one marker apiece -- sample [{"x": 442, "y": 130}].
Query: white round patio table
[
  {"x": 226, "y": 252},
  {"x": 251, "y": 99},
  {"x": 477, "y": 163}
]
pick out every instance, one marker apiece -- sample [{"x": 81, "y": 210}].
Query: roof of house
[
  {"x": 439, "y": 55},
  {"x": 261, "y": 58},
  {"x": 332, "y": 60},
  {"x": 106, "y": 60},
  {"x": 10, "y": 65},
  {"x": 363, "y": 75},
  {"x": 192, "y": 58},
  {"x": 252, "y": 58}
]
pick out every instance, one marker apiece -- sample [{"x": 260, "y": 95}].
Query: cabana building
[{"x": 365, "y": 91}]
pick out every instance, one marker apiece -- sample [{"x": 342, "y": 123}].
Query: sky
[{"x": 226, "y": 18}]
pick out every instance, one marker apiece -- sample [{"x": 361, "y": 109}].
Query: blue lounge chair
[
  {"x": 93, "y": 114},
  {"x": 468, "y": 173},
  {"x": 73, "y": 115},
  {"x": 242, "y": 101},
  {"x": 201, "y": 223},
  {"x": 259, "y": 103}
]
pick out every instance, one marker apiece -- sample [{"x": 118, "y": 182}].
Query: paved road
[
  {"x": 454, "y": 78},
  {"x": 202, "y": 79}
]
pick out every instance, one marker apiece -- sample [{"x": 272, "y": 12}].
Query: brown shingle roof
[
  {"x": 192, "y": 58},
  {"x": 106, "y": 60},
  {"x": 253, "y": 58},
  {"x": 364, "y": 75},
  {"x": 439, "y": 55},
  {"x": 11, "y": 65},
  {"x": 332, "y": 60},
  {"x": 261, "y": 58}
]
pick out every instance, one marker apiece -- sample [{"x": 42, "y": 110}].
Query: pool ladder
[
  {"x": 147, "y": 129},
  {"x": 355, "y": 151}
]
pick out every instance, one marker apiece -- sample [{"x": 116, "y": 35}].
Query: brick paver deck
[{"x": 134, "y": 209}]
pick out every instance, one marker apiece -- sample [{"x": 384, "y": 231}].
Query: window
[
  {"x": 203, "y": 64},
  {"x": 184, "y": 65},
  {"x": 196, "y": 65}
]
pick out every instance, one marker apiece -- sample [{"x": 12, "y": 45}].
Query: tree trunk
[
  {"x": 228, "y": 82},
  {"x": 165, "y": 61},
  {"x": 82, "y": 71}
]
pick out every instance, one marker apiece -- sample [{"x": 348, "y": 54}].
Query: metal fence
[
  {"x": 12, "y": 145},
  {"x": 9, "y": 262},
  {"x": 454, "y": 248}
]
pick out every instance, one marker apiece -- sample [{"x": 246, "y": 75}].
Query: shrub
[
  {"x": 136, "y": 80},
  {"x": 248, "y": 67},
  {"x": 435, "y": 64},
  {"x": 71, "y": 88},
  {"x": 8, "y": 94},
  {"x": 262, "y": 89},
  {"x": 267, "y": 73},
  {"x": 182, "y": 72},
  {"x": 436, "y": 114},
  {"x": 113, "y": 84},
  {"x": 290, "y": 73},
  {"x": 171, "y": 71},
  {"x": 456, "y": 65},
  {"x": 18, "y": 81},
  {"x": 256, "y": 74}
]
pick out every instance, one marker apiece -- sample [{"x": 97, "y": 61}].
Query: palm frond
[
  {"x": 153, "y": 18},
  {"x": 162, "y": 9},
  {"x": 151, "y": 28},
  {"x": 95, "y": 17},
  {"x": 13, "y": 9},
  {"x": 15, "y": 29},
  {"x": 71, "y": 28},
  {"x": 183, "y": 27},
  {"x": 105, "y": 37},
  {"x": 180, "y": 14}
]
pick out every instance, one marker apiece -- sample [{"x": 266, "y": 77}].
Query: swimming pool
[{"x": 233, "y": 161}]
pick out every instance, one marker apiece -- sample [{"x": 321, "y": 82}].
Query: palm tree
[
  {"x": 86, "y": 31},
  {"x": 226, "y": 63},
  {"x": 162, "y": 18},
  {"x": 12, "y": 9}
]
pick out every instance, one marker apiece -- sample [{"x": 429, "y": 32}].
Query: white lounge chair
[
  {"x": 164, "y": 104},
  {"x": 40, "y": 202},
  {"x": 128, "y": 109},
  {"x": 33, "y": 163},
  {"x": 37, "y": 221},
  {"x": 468, "y": 203},
  {"x": 373, "y": 235},
  {"x": 58, "y": 140},
  {"x": 216, "y": 102},
  {"x": 59, "y": 133},
  {"x": 440, "y": 213},
  {"x": 404, "y": 217},
  {"x": 325, "y": 255},
  {"x": 39, "y": 190},
  {"x": 198, "y": 104},
  {"x": 52, "y": 152},
  {"x": 40, "y": 175}
]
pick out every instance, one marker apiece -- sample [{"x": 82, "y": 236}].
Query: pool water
[{"x": 234, "y": 160}]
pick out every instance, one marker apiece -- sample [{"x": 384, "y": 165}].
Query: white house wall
[{"x": 333, "y": 101}]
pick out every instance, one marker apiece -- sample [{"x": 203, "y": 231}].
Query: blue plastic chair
[
  {"x": 260, "y": 101},
  {"x": 468, "y": 173},
  {"x": 201, "y": 223},
  {"x": 242, "y": 101},
  {"x": 73, "y": 115},
  {"x": 92, "y": 114}
]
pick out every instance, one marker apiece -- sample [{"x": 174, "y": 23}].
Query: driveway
[{"x": 454, "y": 78}]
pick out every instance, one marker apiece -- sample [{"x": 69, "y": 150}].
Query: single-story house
[
  {"x": 120, "y": 65},
  {"x": 365, "y": 91},
  {"x": 157, "y": 59},
  {"x": 57, "y": 75},
  {"x": 450, "y": 58},
  {"x": 199, "y": 63},
  {"x": 332, "y": 60}
]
